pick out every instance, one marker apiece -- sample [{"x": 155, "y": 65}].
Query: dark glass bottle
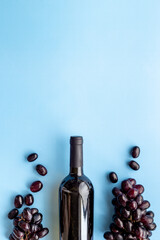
[{"x": 76, "y": 198}]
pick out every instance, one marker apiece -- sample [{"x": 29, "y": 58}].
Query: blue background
[{"x": 87, "y": 68}]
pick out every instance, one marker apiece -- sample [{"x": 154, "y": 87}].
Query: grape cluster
[
  {"x": 27, "y": 225},
  {"x": 132, "y": 220}
]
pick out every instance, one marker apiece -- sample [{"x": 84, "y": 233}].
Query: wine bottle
[{"x": 76, "y": 198}]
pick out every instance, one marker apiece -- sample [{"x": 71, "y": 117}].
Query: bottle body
[
  {"x": 76, "y": 204},
  {"x": 76, "y": 198}
]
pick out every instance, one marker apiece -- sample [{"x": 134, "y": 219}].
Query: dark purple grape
[
  {"x": 18, "y": 201},
  {"x": 115, "y": 202},
  {"x": 108, "y": 236},
  {"x": 34, "y": 210},
  {"x": 125, "y": 213},
  {"x": 118, "y": 222},
  {"x": 149, "y": 234},
  {"x": 37, "y": 218},
  {"x": 135, "y": 152},
  {"x": 13, "y": 213},
  {"x": 29, "y": 199},
  {"x": 151, "y": 226},
  {"x": 150, "y": 213},
  {"x": 32, "y": 157},
  {"x": 143, "y": 212},
  {"x": 27, "y": 215},
  {"x": 34, "y": 236},
  {"x": 36, "y": 186},
  {"x": 137, "y": 214},
  {"x": 132, "y": 193},
  {"x": 24, "y": 226},
  {"x": 126, "y": 185},
  {"x": 141, "y": 233},
  {"x": 134, "y": 165},
  {"x": 15, "y": 221},
  {"x": 41, "y": 170},
  {"x": 17, "y": 233},
  {"x": 116, "y": 191},
  {"x": 132, "y": 205},
  {"x": 11, "y": 237},
  {"x": 133, "y": 181},
  {"x": 139, "y": 199},
  {"x": 118, "y": 236},
  {"x": 140, "y": 188},
  {"x": 14, "y": 237},
  {"x": 122, "y": 200},
  {"x": 130, "y": 237},
  {"x": 114, "y": 228},
  {"x": 146, "y": 220},
  {"x": 128, "y": 226},
  {"x": 117, "y": 212},
  {"x": 113, "y": 177},
  {"x": 145, "y": 204},
  {"x": 34, "y": 228},
  {"x": 43, "y": 232}
]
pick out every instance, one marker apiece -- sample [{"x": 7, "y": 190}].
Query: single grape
[
  {"x": 141, "y": 233},
  {"x": 29, "y": 199},
  {"x": 27, "y": 215},
  {"x": 135, "y": 152},
  {"x": 114, "y": 228},
  {"x": 17, "y": 233},
  {"x": 128, "y": 226},
  {"x": 125, "y": 213},
  {"x": 13, "y": 213},
  {"x": 113, "y": 177},
  {"x": 18, "y": 201},
  {"x": 36, "y": 186},
  {"x": 151, "y": 226},
  {"x": 133, "y": 181},
  {"x": 137, "y": 214},
  {"x": 132, "y": 205},
  {"x": 116, "y": 191},
  {"x": 34, "y": 236},
  {"x": 118, "y": 236},
  {"x": 149, "y": 233},
  {"x": 132, "y": 193},
  {"x": 108, "y": 236},
  {"x": 140, "y": 188},
  {"x": 32, "y": 157},
  {"x": 37, "y": 218},
  {"x": 24, "y": 226},
  {"x": 139, "y": 199},
  {"x": 150, "y": 213},
  {"x": 41, "y": 170},
  {"x": 34, "y": 228},
  {"x": 43, "y": 232},
  {"x": 118, "y": 222},
  {"x": 34, "y": 210},
  {"x": 115, "y": 202},
  {"x": 11, "y": 237},
  {"x": 126, "y": 185},
  {"x": 122, "y": 200},
  {"x": 134, "y": 165},
  {"x": 15, "y": 221},
  {"x": 145, "y": 204},
  {"x": 146, "y": 220}
]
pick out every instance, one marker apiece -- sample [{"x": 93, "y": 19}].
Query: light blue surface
[{"x": 87, "y": 68}]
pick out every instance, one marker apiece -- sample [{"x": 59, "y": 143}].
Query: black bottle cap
[{"x": 76, "y": 140}]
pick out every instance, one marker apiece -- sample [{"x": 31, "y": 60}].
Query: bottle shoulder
[{"x": 72, "y": 181}]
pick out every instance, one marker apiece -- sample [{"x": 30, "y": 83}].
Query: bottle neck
[{"x": 76, "y": 158}]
